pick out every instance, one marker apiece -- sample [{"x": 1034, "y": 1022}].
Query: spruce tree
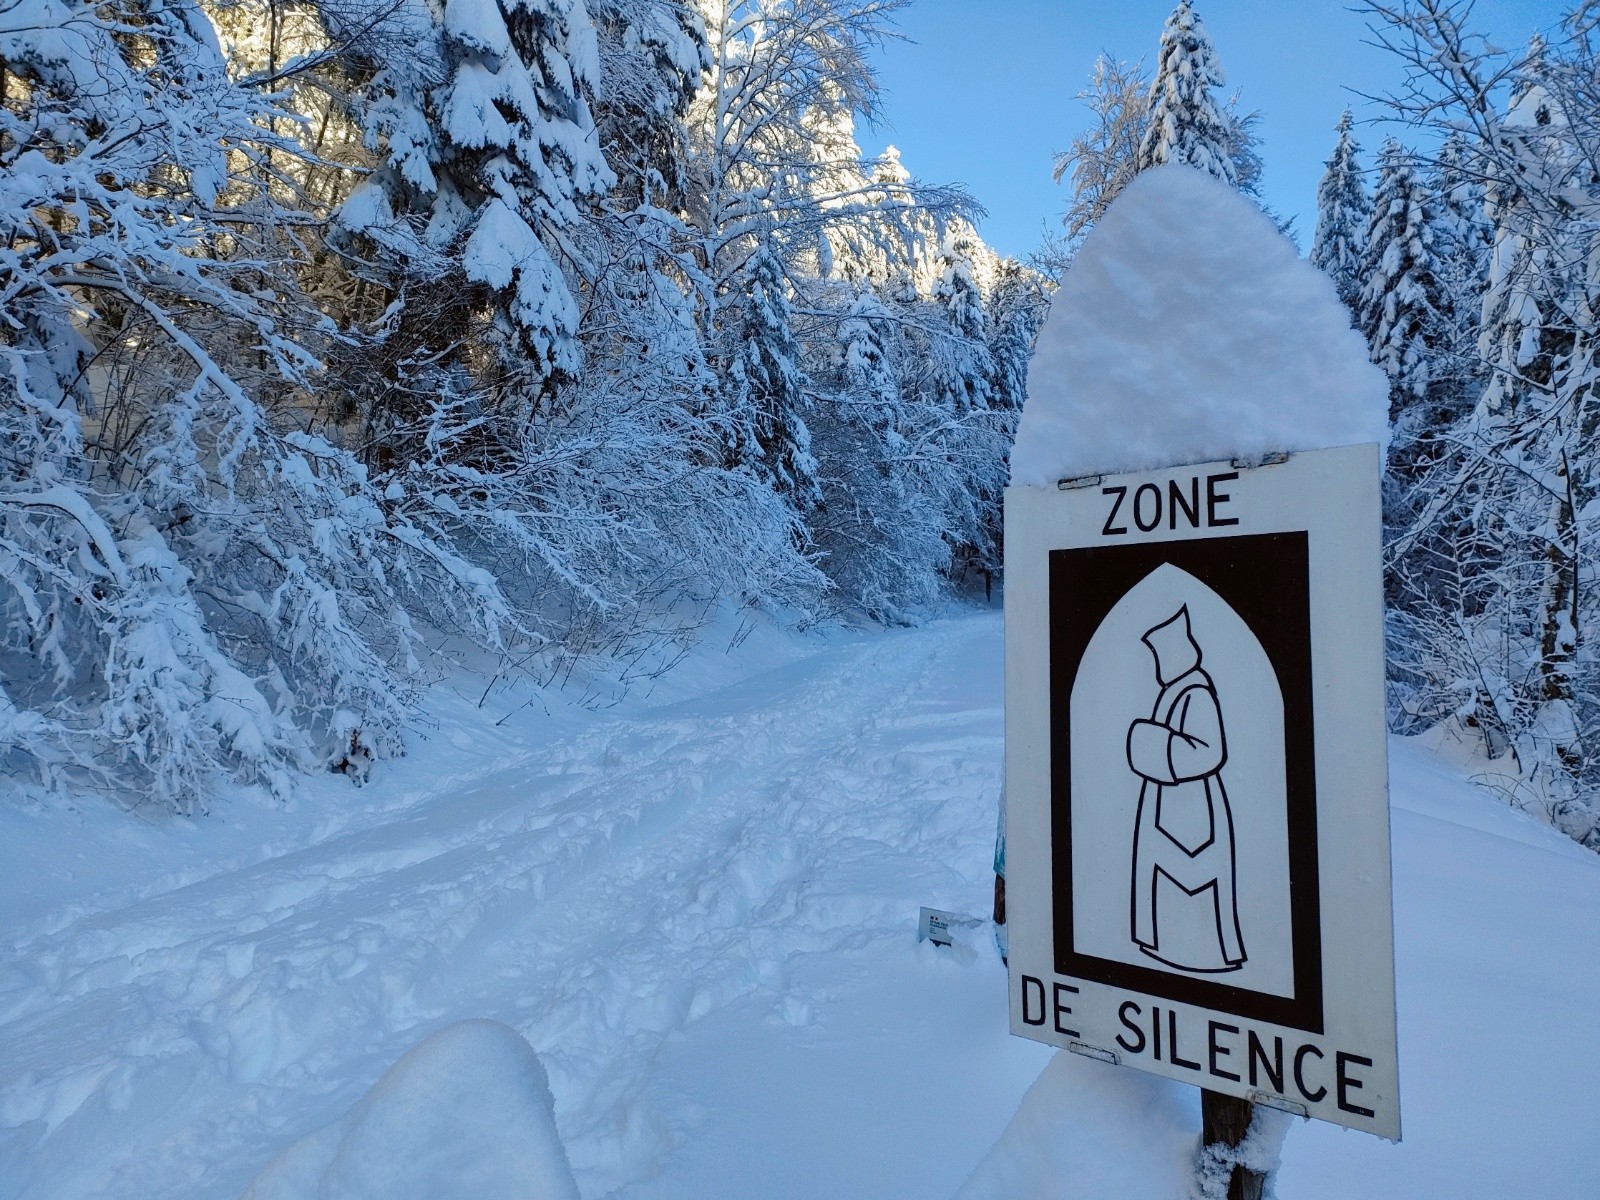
[
  {"x": 768, "y": 389},
  {"x": 487, "y": 143},
  {"x": 1186, "y": 124},
  {"x": 1343, "y": 212},
  {"x": 1017, "y": 309},
  {"x": 1401, "y": 302},
  {"x": 964, "y": 371},
  {"x": 1463, "y": 237}
]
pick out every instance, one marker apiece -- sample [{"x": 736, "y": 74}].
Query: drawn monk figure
[{"x": 1184, "y": 909}]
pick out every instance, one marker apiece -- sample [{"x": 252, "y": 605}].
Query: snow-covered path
[
  {"x": 601, "y": 889},
  {"x": 700, "y": 909}
]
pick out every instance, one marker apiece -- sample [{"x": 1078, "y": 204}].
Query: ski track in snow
[
  {"x": 598, "y": 892},
  {"x": 701, "y": 913}
]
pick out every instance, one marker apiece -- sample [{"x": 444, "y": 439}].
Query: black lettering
[
  {"x": 1138, "y": 507},
  {"x": 1215, "y": 498},
  {"x": 1348, "y": 1083},
  {"x": 1063, "y": 1008},
  {"x": 1220, "y": 1051},
  {"x": 1175, "y": 1058},
  {"x": 1122, "y": 1014},
  {"x": 1038, "y": 983},
  {"x": 1155, "y": 1028},
  {"x": 1299, "y": 1077},
  {"x": 1273, "y": 1068},
  {"x": 1121, "y": 494},
  {"x": 1190, "y": 507}
]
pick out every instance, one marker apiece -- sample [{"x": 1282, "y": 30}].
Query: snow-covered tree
[
  {"x": 1343, "y": 212},
  {"x": 651, "y": 56},
  {"x": 1136, "y": 124},
  {"x": 965, "y": 371},
  {"x": 191, "y": 588},
  {"x": 1186, "y": 123},
  {"x": 1463, "y": 237},
  {"x": 1016, "y": 311},
  {"x": 487, "y": 146},
  {"x": 1507, "y": 519},
  {"x": 881, "y": 527},
  {"x": 768, "y": 390},
  {"x": 1104, "y": 158},
  {"x": 1401, "y": 302}
]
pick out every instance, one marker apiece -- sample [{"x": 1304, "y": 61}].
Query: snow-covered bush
[
  {"x": 189, "y": 588},
  {"x": 1493, "y": 525},
  {"x": 335, "y": 340}
]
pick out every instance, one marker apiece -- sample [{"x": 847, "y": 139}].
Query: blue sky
[{"x": 983, "y": 91}]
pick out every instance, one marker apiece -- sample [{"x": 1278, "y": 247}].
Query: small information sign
[{"x": 1196, "y": 778}]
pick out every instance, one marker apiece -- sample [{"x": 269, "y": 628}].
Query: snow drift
[
  {"x": 1189, "y": 329},
  {"x": 465, "y": 1115}
]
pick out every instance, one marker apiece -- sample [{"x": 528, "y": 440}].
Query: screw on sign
[{"x": 1196, "y": 785}]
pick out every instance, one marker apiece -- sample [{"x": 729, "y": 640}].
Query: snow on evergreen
[
  {"x": 1401, "y": 304},
  {"x": 1492, "y": 518},
  {"x": 1186, "y": 123},
  {"x": 489, "y": 146},
  {"x": 1462, "y": 237},
  {"x": 1166, "y": 344},
  {"x": 1136, "y": 123},
  {"x": 343, "y": 347},
  {"x": 768, "y": 386},
  {"x": 1343, "y": 212}
]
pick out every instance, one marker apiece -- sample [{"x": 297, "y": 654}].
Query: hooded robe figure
[{"x": 1184, "y": 909}]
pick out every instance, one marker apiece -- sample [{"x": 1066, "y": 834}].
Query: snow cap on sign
[{"x": 1188, "y": 329}]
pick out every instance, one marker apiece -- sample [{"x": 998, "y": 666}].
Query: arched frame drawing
[{"x": 1246, "y": 612}]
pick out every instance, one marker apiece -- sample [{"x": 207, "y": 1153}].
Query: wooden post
[{"x": 1225, "y": 1120}]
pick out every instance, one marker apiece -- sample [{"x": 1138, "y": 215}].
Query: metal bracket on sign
[
  {"x": 1088, "y": 1051},
  {"x": 1271, "y": 459},
  {"x": 1271, "y": 1100},
  {"x": 1074, "y": 482}
]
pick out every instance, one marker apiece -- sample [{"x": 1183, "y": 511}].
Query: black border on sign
[{"x": 1265, "y": 579}]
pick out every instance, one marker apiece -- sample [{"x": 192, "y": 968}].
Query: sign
[
  {"x": 1196, "y": 778},
  {"x": 937, "y": 926}
]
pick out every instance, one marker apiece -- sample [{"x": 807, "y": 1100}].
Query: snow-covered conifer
[
  {"x": 1521, "y": 332},
  {"x": 1498, "y": 535},
  {"x": 965, "y": 370},
  {"x": 963, "y": 375},
  {"x": 1463, "y": 238},
  {"x": 768, "y": 389},
  {"x": 651, "y": 56},
  {"x": 868, "y": 375},
  {"x": 1186, "y": 124},
  {"x": 880, "y": 528},
  {"x": 1343, "y": 212},
  {"x": 1401, "y": 300},
  {"x": 487, "y": 145},
  {"x": 1017, "y": 309}
]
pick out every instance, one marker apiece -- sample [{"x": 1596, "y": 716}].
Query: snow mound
[
  {"x": 465, "y": 1115},
  {"x": 1188, "y": 329},
  {"x": 1089, "y": 1131}
]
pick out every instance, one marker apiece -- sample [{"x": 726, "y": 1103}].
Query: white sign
[
  {"x": 1197, "y": 857},
  {"x": 937, "y": 926}
]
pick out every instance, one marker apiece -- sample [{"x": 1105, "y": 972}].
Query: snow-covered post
[{"x": 1188, "y": 355}]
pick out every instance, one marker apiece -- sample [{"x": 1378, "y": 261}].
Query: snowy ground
[{"x": 699, "y": 906}]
